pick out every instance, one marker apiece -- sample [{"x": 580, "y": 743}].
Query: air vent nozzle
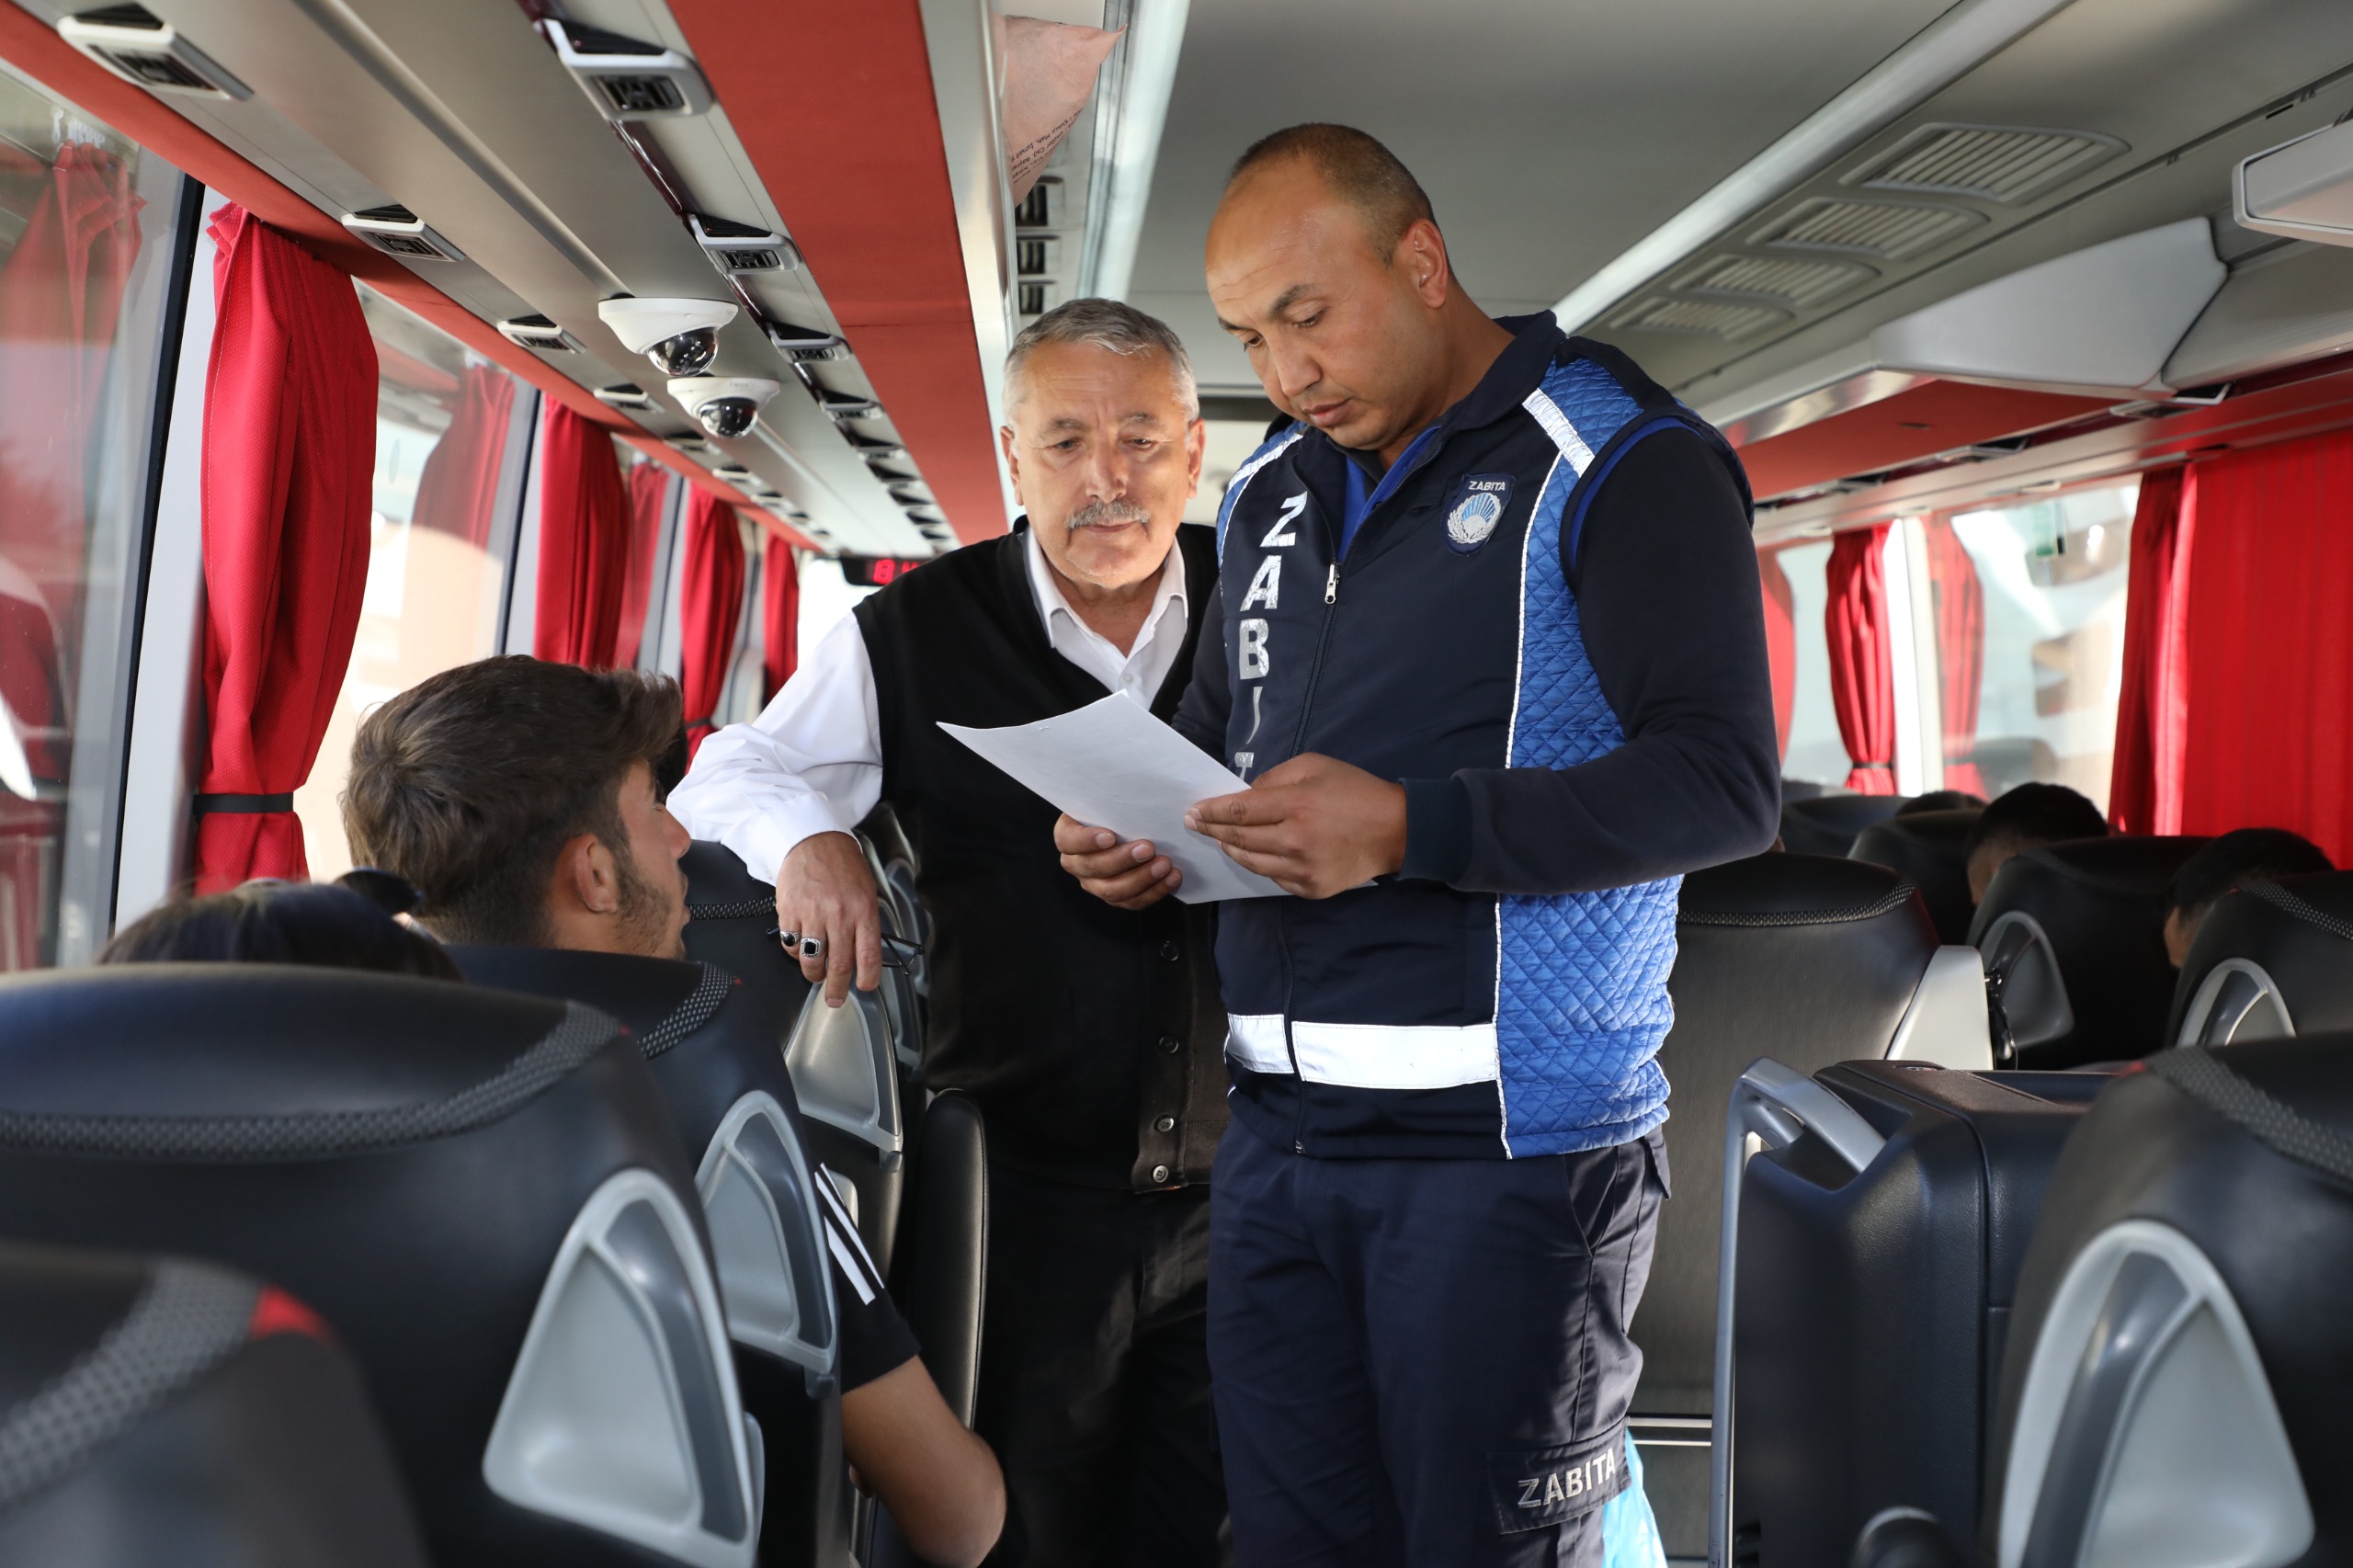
[
  {"x": 539, "y": 333},
  {"x": 140, "y": 47},
  {"x": 1990, "y": 163},
  {"x": 628, "y": 78},
  {"x": 626, "y": 395},
  {"x": 398, "y": 231},
  {"x": 806, "y": 346},
  {"x": 741, "y": 248},
  {"x": 874, "y": 450},
  {"x": 848, "y": 405}
]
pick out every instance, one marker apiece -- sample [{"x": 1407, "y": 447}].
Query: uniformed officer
[{"x": 1488, "y": 648}]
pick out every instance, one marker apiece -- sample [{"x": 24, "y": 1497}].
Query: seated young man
[
  {"x": 2023, "y": 819},
  {"x": 2225, "y": 865},
  {"x": 523, "y": 800}
]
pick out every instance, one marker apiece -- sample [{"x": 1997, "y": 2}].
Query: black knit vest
[{"x": 1092, "y": 1037}]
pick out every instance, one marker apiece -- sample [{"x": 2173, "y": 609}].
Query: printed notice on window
[{"x": 1113, "y": 764}]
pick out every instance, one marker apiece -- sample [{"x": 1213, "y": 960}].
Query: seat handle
[{"x": 1778, "y": 1105}]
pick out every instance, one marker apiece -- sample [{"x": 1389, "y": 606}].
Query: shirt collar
[{"x": 1051, "y": 601}]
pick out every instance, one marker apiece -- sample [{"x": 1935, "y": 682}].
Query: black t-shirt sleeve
[
  {"x": 874, "y": 1338},
  {"x": 1664, "y": 572}
]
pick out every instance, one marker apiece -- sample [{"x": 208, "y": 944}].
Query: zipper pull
[{"x": 1331, "y": 583}]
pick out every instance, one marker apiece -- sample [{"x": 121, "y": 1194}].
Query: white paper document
[{"x": 1115, "y": 765}]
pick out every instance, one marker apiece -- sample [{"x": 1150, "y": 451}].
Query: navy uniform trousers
[{"x": 1425, "y": 1362}]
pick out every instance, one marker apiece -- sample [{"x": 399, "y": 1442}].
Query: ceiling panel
[{"x": 1550, "y": 136}]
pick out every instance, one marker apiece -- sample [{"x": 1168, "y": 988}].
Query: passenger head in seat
[
  {"x": 275, "y": 922},
  {"x": 1939, "y": 800},
  {"x": 2029, "y": 815},
  {"x": 2225, "y": 865},
  {"x": 525, "y": 800}
]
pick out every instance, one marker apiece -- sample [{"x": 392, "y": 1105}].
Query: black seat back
[
  {"x": 729, "y": 1095},
  {"x": 844, "y": 1062},
  {"x": 2174, "y": 1387},
  {"x": 1827, "y": 824},
  {"x": 731, "y": 915},
  {"x": 2077, "y": 930},
  {"x": 1807, "y": 959},
  {"x": 2273, "y": 959},
  {"x": 1926, "y": 847},
  {"x": 942, "y": 1267},
  {"x": 159, "y": 1412},
  {"x": 480, "y": 1192}
]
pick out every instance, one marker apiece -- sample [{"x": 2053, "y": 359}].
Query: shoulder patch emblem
[{"x": 1475, "y": 508}]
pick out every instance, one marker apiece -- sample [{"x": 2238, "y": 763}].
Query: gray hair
[{"x": 1105, "y": 324}]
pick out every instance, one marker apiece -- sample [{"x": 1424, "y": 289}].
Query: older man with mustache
[{"x": 1090, "y": 1036}]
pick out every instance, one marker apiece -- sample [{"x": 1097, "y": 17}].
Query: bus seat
[
  {"x": 2271, "y": 959},
  {"x": 479, "y": 1192},
  {"x": 724, "y": 1082},
  {"x": 941, "y": 1272},
  {"x": 730, "y": 916},
  {"x": 844, "y": 1062},
  {"x": 2075, "y": 933},
  {"x": 2174, "y": 1390},
  {"x": 1810, "y": 959},
  {"x": 1926, "y": 848},
  {"x": 1874, "y": 1265},
  {"x": 158, "y": 1412},
  {"x": 1827, "y": 824},
  {"x": 897, "y": 853}
]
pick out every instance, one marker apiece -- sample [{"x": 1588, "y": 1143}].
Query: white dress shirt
[{"x": 812, "y": 762}]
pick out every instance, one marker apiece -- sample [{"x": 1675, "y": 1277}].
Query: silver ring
[
  {"x": 813, "y": 947},
  {"x": 790, "y": 939}
]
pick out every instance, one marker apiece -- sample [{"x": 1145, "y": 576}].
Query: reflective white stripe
[
  {"x": 1255, "y": 1040},
  {"x": 1367, "y": 1056},
  {"x": 1556, "y": 424}
]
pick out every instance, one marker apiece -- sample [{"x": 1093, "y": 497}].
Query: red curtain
[
  {"x": 584, "y": 541},
  {"x": 1862, "y": 676},
  {"x": 290, "y": 457},
  {"x": 2267, "y": 668},
  {"x": 1780, "y": 642},
  {"x": 2144, "y": 780},
  {"x": 60, "y": 293},
  {"x": 1960, "y": 600},
  {"x": 779, "y": 615},
  {"x": 710, "y": 602},
  {"x": 648, "y": 490},
  {"x": 457, "y": 491}
]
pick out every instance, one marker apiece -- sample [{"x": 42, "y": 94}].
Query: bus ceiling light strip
[
  {"x": 537, "y": 332},
  {"x": 680, "y": 336},
  {"x": 1137, "y": 111},
  {"x": 139, "y": 46},
  {"x": 1941, "y": 54},
  {"x": 742, "y": 247},
  {"x": 396, "y": 230},
  {"x": 627, "y": 78},
  {"x": 727, "y": 407}
]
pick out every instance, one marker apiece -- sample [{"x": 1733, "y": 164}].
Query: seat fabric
[
  {"x": 2299, "y": 931},
  {"x": 1926, "y": 849},
  {"x": 1827, "y": 824},
  {"x": 157, "y": 1411}
]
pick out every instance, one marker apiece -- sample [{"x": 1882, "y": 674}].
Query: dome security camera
[
  {"x": 724, "y": 405},
  {"x": 681, "y": 336}
]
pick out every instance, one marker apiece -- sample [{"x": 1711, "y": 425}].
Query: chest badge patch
[{"x": 1476, "y": 507}]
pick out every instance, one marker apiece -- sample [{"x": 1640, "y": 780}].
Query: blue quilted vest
[{"x": 1406, "y": 1018}]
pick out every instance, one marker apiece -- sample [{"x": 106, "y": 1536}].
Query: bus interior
[{"x": 2031, "y": 322}]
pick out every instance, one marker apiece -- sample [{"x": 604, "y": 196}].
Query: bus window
[
  {"x": 2053, "y": 574},
  {"x": 452, "y": 430},
  {"x": 1815, "y": 754},
  {"x": 88, "y": 227}
]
